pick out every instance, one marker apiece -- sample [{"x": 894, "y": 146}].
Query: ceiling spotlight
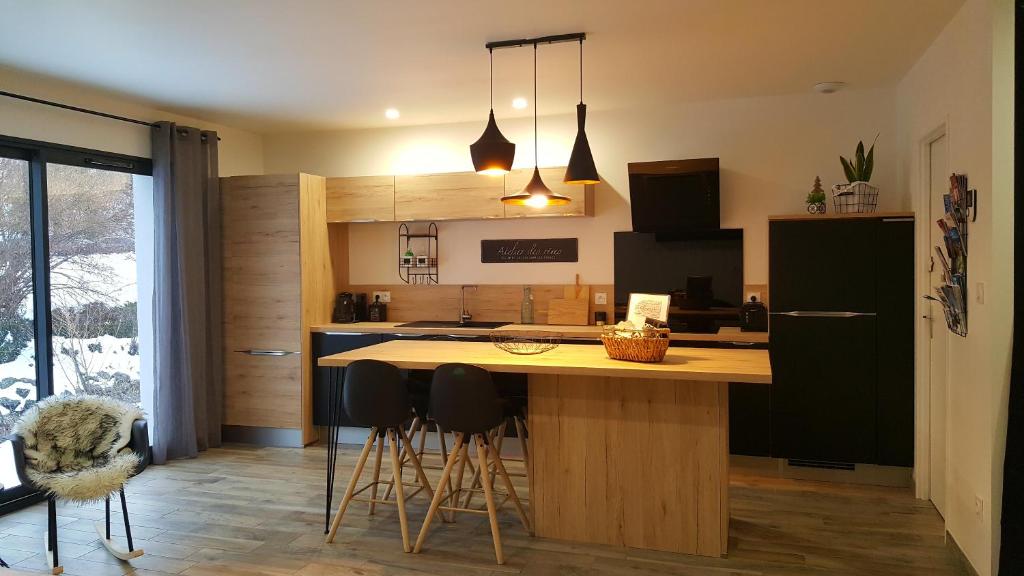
[
  {"x": 519, "y": 103},
  {"x": 829, "y": 87},
  {"x": 392, "y": 114}
]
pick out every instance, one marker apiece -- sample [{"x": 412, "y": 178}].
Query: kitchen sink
[{"x": 452, "y": 324}]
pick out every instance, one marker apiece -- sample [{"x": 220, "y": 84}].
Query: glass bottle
[{"x": 527, "y": 307}]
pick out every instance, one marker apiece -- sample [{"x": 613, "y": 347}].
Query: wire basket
[
  {"x": 636, "y": 345},
  {"x": 854, "y": 198},
  {"x": 524, "y": 346}
]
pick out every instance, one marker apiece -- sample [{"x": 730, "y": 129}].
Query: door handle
[
  {"x": 266, "y": 352},
  {"x": 822, "y": 314}
]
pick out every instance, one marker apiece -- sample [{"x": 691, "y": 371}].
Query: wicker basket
[
  {"x": 858, "y": 197},
  {"x": 647, "y": 345}
]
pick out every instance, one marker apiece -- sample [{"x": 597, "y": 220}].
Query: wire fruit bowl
[{"x": 524, "y": 346}]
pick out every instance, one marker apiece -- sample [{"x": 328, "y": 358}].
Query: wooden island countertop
[
  {"x": 620, "y": 453},
  {"x": 691, "y": 364},
  {"x": 727, "y": 334}
]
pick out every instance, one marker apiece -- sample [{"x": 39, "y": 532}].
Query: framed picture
[{"x": 644, "y": 306}]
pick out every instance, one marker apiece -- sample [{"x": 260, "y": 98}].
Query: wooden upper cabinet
[
  {"x": 454, "y": 196},
  {"x": 361, "y": 199},
  {"x": 582, "y": 195}
]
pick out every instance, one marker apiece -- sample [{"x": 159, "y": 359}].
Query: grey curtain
[{"x": 188, "y": 382}]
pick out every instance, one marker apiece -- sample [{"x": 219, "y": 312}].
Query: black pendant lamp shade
[
  {"x": 581, "y": 169},
  {"x": 492, "y": 153},
  {"x": 536, "y": 194}
]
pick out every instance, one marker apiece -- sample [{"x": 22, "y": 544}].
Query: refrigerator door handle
[{"x": 818, "y": 314}]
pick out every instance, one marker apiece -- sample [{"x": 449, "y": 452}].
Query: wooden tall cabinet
[{"x": 277, "y": 282}]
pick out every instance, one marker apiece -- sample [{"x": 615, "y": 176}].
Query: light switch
[
  {"x": 385, "y": 295},
  {"x": 600, "y": 298}
]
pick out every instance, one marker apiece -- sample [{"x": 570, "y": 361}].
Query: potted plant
[
  {"x": 816, "y": 198},
  {"x": 858, "y": 195}
]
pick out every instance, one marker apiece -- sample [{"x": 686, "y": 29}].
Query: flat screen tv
[{"x": 675, "y": 195}]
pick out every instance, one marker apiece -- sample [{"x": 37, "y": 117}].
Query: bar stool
[
  {"x": 418, "y": 384},
  {"x": 513, "y": 408},
  {"x": 375, "y": 395},
  {"x": 463, "y": 400}
]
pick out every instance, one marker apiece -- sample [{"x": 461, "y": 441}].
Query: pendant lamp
[
  {"x": 492, "y": 153},
  {"x": 581, "y": 169},
  {"x": 536, "y": 194}
]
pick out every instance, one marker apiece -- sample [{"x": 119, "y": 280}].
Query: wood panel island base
[{"x": 621, "y": 453}]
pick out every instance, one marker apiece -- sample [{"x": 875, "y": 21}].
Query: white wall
[
  {"x": 240, "y": 152},
  {"x": 953, "y": 84},
  {"x": 771, "y": 149}
]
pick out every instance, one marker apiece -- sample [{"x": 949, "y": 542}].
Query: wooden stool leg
[
  {"x": 439, "y": 493},
  {"x": 492, "y": 512},
  {"x": 476, "y": 475},
  {"x": 457, "y": 493},
  {"x": 402, "y": 455},
  {"x": 396, "y": 467},
  {"x": 521, "y": 433},
  {"x": 376, "y": 478},
  {"x": 499, "y": 468},
  {"x": 352, "y": 484},
  {"x": 421, "y": 476}
]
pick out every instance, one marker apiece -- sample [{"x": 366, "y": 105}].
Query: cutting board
[{"x": 573, "y": 308}]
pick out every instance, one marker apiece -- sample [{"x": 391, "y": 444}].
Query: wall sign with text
[{"x": 527, "y": 250}]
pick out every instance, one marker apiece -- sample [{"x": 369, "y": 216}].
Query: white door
[{"x": 938, "y": 352}]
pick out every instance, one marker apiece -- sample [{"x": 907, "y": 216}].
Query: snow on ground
[{"x": 106, "y": 357}]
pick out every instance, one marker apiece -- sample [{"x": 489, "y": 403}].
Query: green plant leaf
[
  {"x": 869, "y": 164},
  {"x": 848, "y": 170},
  {"x": 859, "y": 166}
]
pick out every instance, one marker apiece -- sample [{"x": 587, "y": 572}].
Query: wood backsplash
[{"x": 488, "y": 302}]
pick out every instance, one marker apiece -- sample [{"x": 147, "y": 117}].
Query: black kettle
[
  {"x": 344, "y": 308},
  {"x": 753, "y": 316}
]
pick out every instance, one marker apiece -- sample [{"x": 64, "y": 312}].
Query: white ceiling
[{"x": 276, "y": 65}]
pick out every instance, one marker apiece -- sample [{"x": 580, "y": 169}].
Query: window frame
[{"x": 38, "y": 154}]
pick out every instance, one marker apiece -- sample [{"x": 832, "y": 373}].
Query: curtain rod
[{"x": 79, "y": 109}]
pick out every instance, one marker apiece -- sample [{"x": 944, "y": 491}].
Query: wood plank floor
[{"x": 259, "y": 511}]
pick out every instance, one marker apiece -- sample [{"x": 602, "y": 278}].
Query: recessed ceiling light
[
  {"x": 391, "y": 114},
  {"x": 519, "y": 103},
  {"x": 829, "y": 87}
]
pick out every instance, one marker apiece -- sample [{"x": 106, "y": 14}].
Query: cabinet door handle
[
  {"x": 817, "y": 314},
  {"x": 266, "y": 352}
]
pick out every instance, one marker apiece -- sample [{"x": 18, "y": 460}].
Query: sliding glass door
[
  {"x": 17, "y": 335},
  {"x": 75, "y": 280}
]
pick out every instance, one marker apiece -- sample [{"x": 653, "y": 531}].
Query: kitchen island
[{"x": 621, "y": 453}]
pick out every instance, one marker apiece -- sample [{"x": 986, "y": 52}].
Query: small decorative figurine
[{"x": 816, "y": 198}]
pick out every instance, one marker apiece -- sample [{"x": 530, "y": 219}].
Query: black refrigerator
[{"x": 842, "y": 340}]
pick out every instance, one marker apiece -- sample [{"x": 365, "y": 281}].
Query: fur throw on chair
[{"x": 75, "y": 446}]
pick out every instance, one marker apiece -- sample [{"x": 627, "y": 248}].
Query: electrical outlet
[
  {"x": 385, "y": 295},
  {"x": 600, "y": 298},
  {"x": 979, "y": 293},
  {"x": 754, "y": 294},
  {"x": 979, "y": 507}
]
